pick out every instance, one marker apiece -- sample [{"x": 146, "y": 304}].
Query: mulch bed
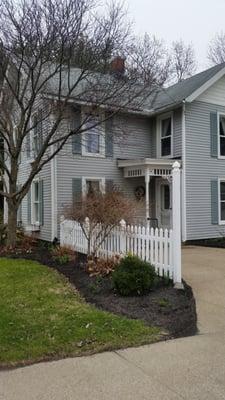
[{"x": 173, "y": 310}]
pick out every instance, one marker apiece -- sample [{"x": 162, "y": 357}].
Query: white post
[
  {"x": 123, "y": 237},
  {"x": 176, "y": 212},
  {"x": 147, "y": 180}
]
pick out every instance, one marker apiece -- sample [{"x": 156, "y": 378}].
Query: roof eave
[{"x": 193, "y": 96}]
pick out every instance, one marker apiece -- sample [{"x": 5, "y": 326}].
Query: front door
[{"x": 163, "y": 203}]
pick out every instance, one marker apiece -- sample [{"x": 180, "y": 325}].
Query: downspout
[
  {"x": 183, "y": 197},
  {"x": 54, "y": 217}
]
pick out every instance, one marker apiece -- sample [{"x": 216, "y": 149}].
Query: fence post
[
  {"x": 123, "y": 236},
  {"x": 176, "y": 211}
]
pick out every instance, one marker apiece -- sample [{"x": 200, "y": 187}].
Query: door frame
[{"x": 159, "y": 183}]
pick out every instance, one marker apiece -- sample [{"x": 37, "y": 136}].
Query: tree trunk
[{"x": 12, "y": 224}]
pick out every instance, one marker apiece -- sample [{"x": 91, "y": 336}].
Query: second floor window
[
  {"x": 166, "y": 136},
  {"x": 222, "y": 135},
  {"x": 93, "y": 136}
]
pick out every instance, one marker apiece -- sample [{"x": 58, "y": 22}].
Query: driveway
[{"x": 188, "y": 368}]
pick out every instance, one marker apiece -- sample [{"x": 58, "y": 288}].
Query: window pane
[
  {"x": 222, "y": 206},
  {"x": 222, "y": 145},
  {"x": 166, "y": 127},
  {"x": 166, "y": 146},
  {"x": 36, "y": 212},
  {"x": 222, "y": 190},
  {"x": 92, "y": 142},
  {"x": 92, "y": 187},
  {"x": 36, "y": 191},
  {"x": 222, "y": 126}
]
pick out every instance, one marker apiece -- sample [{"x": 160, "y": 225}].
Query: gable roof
[{"x": 187, "y": 89}]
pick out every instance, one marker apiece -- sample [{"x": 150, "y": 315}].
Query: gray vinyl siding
[
  {"x": 177, "y": 133},
  {"x": 201, "y": 169},
  {"x": 133, "y": 142}
]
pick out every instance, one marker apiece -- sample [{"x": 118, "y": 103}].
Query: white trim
[
  {"x": 220, "y": 222},
  {"x": 205, "y": 86},
  {"x": 101, "y": 127},
  {"x": 160, "y": 118},
  {"x": 183, "y": 176},
  {"x": 92, "y": 178},
  {"x": 152, "y": 162},
  {"x": 219, "y": 156},
  {"x": 158, "y": 184},
  {"x": 54, "y": 198},
  {"x": 33, "y": 222}
]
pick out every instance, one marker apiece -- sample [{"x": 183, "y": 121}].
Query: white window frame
[
  {"x": 221, "y": 222},
  {"x": 159, "y": 134},
  {"x": 218, "y": 134},
  {"x": 92, "y": 178},
  {"x": 33, "y": 219},
  {"x": 32, "y": 136},
  {"x": 101, "y": 128}
]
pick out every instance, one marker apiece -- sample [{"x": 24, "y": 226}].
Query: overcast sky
[{"x": 194, "y": 21}]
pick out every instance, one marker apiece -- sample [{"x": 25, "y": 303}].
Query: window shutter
[
  {"x": 29, "y": 207},
  {"x": 109, "y": 137},
  {"x": 41, "y": 201},
  {"x": 28, "y": 145},
  {"x": 108, "y": 185},
  {"x": 214, "y": 202},
  {"x": 214, "y": 134},
  {"x": 19, "y": 211},
  {"x": 76, "y": 189},
  {"x": 76, "y": 137},
  {"x": 40, "y": 129}
]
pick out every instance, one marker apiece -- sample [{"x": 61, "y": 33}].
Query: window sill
[
  {"x": 93, "y": 155},
  {"x": 32, "y": 228}
]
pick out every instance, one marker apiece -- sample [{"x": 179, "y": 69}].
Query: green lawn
[{"x": 41, "y": 317}]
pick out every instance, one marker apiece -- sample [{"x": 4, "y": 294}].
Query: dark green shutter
[
  {"x": 108, "y": 185},
  {"x": 19, "y": 211},
  {"x": 40, "y": 129},
  {"x": 76, "y": 190},
  {"x": 214, "y": 202},
  {"x": 76, "y": 137},
  {"x": 214, "y": 134},
  {"x": 28, "y": 145},
  {"x": 109, "y": 137},
  {"x": 29, "y": 207},
  {"x": 41, "y": 202}
]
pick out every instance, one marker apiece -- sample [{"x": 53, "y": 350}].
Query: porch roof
[{"x": 152, "y": 166}]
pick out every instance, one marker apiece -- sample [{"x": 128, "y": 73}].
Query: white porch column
[
  {"x": 176, "y": 213},
  {"x": 147, "y": 180}
]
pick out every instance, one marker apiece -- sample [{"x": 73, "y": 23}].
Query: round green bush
[{"x": 133, "y": 276}]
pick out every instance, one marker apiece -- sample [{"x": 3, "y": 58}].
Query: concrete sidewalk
[{"x": 189, "y": 368}]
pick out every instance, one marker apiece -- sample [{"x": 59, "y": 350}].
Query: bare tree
[
  {"x": 58, "y": 53},
  {"x": 216, "y": 51},
  {"x": 183, "y": 63},
  {"x": 149, "y": 60},
  {"x": 98, "y": 213}
]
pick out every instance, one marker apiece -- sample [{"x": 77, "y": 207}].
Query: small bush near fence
[
  {"x": 101, "y": 266},
  {"x": 134, "y": 276},
  {"x": 62, "y": 254}
]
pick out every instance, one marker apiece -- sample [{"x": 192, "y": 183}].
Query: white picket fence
[{"x": 152, "y": 245}]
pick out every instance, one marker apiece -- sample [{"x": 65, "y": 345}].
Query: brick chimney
[{"x": 118, "y": 66}]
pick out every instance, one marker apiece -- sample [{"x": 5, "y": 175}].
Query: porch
[{"x": 156, "y": 188}]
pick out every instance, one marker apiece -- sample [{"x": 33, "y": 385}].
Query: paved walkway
[{"x": 189, "y": 368}]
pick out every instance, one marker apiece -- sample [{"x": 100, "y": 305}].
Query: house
[{"x": 184, "y": 122}]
